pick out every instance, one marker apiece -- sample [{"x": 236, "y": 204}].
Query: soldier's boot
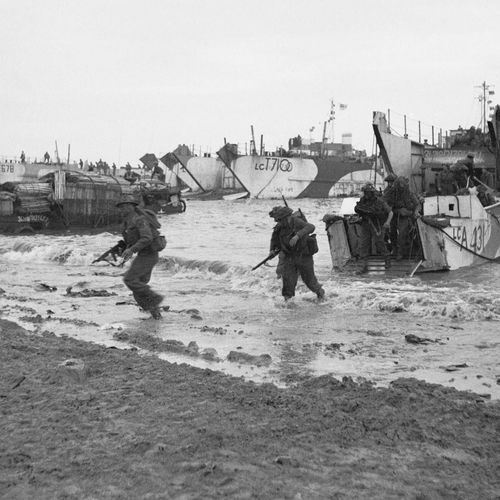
[
  {"x": 363, "y": 269},
  {"x": 155, "y": 313}
]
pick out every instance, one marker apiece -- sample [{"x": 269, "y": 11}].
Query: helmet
[
  {"x": 391, "y": 177},
  {"x": 127, "y": 199},
  {"x": 368, "y": 187},
  {"x": 279, "y": 213}
]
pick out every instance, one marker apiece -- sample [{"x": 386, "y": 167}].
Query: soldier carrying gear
[
  {"x": 405, "y": 207},
  {"x": 141, "y": 236},
  {"x": 390, "y": 178},
  {"x": 291, "y": 239},
  {"x": 375, "y": 216},
  {"x": 484, "y": 196}
]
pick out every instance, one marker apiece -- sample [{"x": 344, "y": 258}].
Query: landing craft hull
[
  {"x": 454, "y": 232},
  {"x": 457, "y": 231},
  {"x": 200, "y": 174},
  {"x": 273, "y": 176}
]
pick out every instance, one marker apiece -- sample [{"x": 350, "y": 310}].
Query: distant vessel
[
  {"x": 14, "y": 170},
  {"x": 295, "y": 175},
  {"x": 318, "y": 170},
  {"x": 306, "y": 169}
]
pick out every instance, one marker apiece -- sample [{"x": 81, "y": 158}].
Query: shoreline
[{"x": 129, "y": 425}]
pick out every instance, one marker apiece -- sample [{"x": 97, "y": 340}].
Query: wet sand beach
[
  {"x": 128, "y": 425},
  {"x": 233, "y": 393}
]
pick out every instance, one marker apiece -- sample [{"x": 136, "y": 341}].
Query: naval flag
[{"x": 342, "y": 106}]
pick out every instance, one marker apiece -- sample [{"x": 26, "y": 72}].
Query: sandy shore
[{"x": 134, "y": 426}]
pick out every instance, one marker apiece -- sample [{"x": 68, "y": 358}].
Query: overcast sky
[{"x": 119, "y": 78}]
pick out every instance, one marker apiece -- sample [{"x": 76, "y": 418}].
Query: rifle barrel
[{"x": 262, "y": 262}]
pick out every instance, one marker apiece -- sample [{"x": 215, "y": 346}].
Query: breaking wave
[
  {"x": 464, "y": 297},
  {"x": 179, "y": 264},
  {"x": 22, "y": 251},
  {"x": 398, "y": 296}
]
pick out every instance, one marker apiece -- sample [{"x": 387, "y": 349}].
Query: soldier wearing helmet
[
  {"x": 376, "y": 217},
  {"x": 390, "y": 178},
  {"x": 405, "y": 206},
  {"x": 291, "y": 240},
  {"x": 140, "y": 234}
]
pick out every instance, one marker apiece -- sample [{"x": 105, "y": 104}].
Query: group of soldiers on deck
[
  {"x": 465, "y": 174},
  {"x": 386, "y": 220}
]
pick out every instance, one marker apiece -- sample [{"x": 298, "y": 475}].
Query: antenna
[
  {"x": 484, "y": 98},
  {"x": 253, "y": 149},
  {"x": 332, "y": 118}
]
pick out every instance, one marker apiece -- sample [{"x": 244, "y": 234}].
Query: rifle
[
  {"x": 269, "y": 257},
  {"x": 488, "y": 189},
  {"x": 299, "y": 210},
  {"x": 113, "y": 251}
]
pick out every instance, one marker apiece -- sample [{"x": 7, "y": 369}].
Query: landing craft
[
  {"x": 307, "y": 169},
  {"x": 454, "y": 231},
  {"x": 296, "y": 174},
  {"x": 37, "y": 197}
]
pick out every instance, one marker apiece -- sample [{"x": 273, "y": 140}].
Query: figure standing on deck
[
  {"x": 390, "y": 236},
  {"x": 46, "y": 157},
  {"x": 463, "y": 172},
  {"x": 469, "y": 163},
  {"x": 390, "y": 178},
  {"x": 376, "y": 218},
  {"x": 157, "y": 172},
  {"x": 141, "y": 236},
  {"x": 291, "y": 239},
  {"x": 129, "y": 175},
  {"x": 484, "y": 196},
  {"x": 405, "y": 208}
]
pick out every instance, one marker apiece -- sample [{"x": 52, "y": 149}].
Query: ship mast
[
  {"x": 484, "y": 99},
  {"x": 332, "y": 120}
]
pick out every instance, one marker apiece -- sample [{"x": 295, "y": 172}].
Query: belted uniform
[
  {"x": 138, "y": 232},
  {"x": 297, "y": 259}
]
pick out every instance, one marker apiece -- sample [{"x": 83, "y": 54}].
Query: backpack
[
  {"x": 312, "y": 244},
  {"x": 159, "y": 241}
]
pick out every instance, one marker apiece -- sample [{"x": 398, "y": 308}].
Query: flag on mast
[{"x": 342, "y": 106}]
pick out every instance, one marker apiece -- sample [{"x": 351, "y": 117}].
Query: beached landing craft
[
  {"x": 63, "y": 199},
  {"x": 454, "y": 231}
]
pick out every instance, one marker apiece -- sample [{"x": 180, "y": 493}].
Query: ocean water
[{"x": 218, "y": 302}]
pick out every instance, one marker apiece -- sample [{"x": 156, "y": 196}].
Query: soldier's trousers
[
  {"x": 403, "y": 236},
  {"x": 137, "y": 278},
  {"x": 292, "y": 266},
  {"x": 370, "y": 236}
]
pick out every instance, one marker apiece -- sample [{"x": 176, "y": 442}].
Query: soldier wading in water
[
  {"x": 141, "y": 236},
  {"x": 291, "y": 240}
]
